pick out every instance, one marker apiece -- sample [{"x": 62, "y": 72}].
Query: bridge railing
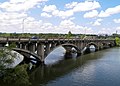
[{"x": 42, "y": 39}]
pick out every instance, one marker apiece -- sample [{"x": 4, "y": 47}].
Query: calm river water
[{"x": 100, "y": 68}]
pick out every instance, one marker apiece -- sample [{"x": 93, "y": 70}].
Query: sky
[{"x": 60, "y": 16}]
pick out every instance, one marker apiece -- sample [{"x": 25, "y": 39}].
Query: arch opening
[
  {"x": 71, "y": 50},
  {"x": 91, "y": 47}
]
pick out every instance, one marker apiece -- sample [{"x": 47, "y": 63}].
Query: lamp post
[
  {"x": 23, "y": 26},
  {"x": 23, "y": 21},
  {"x": 85, "y": 32}
]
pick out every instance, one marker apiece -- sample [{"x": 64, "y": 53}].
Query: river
[{"x": 100, "y": 68}]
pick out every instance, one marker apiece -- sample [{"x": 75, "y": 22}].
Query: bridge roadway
[{"x": 28, "y": 46}]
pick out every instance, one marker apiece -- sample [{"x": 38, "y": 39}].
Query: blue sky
[{"x": 60, "y": 16}]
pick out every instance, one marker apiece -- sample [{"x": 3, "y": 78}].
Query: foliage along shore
[{"x": 17, "y": 76}]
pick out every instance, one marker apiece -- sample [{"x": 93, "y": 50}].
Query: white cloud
[
  {"x": 103, "y": 14},
  {"x": 17, "y": 5},
  {"x": 86, "y": 6},
  {"x": 50, "y": 8},
  {"x": 11, "y": 18},
  {"x": 118, "y": 29},
  {"x": 71, "y": 5},
  {"x": 13, "y": 22},
  {"x": 91, "y": 14},
  {"x": 104, "y": 31},
  {"x": 17, "y": 1},
  {"x": 31, "y": 25},
  {"x": 63, "y": 27},
  {"x": 66, "y": 23},
  {"x": 116, "y": 20},
  {"x": 97, "y": 22},
  {"x": 46, "y": 15},
  {"x": 74, "y": 7},
  {"x": 30, "y": 19},
  {"x": 65, "y": 14},
  {"x": 55, "y": 12},
  {"x": 72, "y": 18},
  {"x": 110, "y": 11}
]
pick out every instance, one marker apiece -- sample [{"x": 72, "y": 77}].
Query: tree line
[{"x": 54, "y": 35}]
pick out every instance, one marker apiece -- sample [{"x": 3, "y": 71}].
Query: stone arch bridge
[{"x": 27, "y": 46}]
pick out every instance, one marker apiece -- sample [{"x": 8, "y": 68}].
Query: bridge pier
[
  {"x": 82, "y": 46},
  {"x": 78, "y": 45},
  {"x": 40, "y": 51},
  {"x": 53, "y": 45},
  {"x": 68, "y": 53},
  {"x": 24, "y": 46},
  {"x": 100, "y": 45},
  {"x": 47, "y": 49},
  {"x": 19, "y": 45},
  {"x": 32, "y": 47}
]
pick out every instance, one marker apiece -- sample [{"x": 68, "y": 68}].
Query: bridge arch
[
  {"x": 111, "y": 44},
  {"x": 106, "y": 45},
  {"x": 27, "y": 54},
  {"x": 87, "y": 47},
  {"x": 70, "y": 45},
  {"x": 69, "y": 48},
  {"x": 92, "y": 43}
]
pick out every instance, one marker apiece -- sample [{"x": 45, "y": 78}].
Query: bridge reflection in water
[
  {"x": 55, "y": 56},
  {"x": 95, "y": 69},
  {"x": 92, "y": 48},
  {"x": 52, "y": 73}
]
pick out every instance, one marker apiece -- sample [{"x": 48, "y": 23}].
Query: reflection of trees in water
[{"x": 45, "y": 74}]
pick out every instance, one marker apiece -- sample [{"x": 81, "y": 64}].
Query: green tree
[
  {"x": 6, "y": 58},
  {"x": 69, "y": 35},
  {"x": 16, "y": 76},
  {"x": 117, "y": 39},
  {"x": 13, "y": 45}
]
